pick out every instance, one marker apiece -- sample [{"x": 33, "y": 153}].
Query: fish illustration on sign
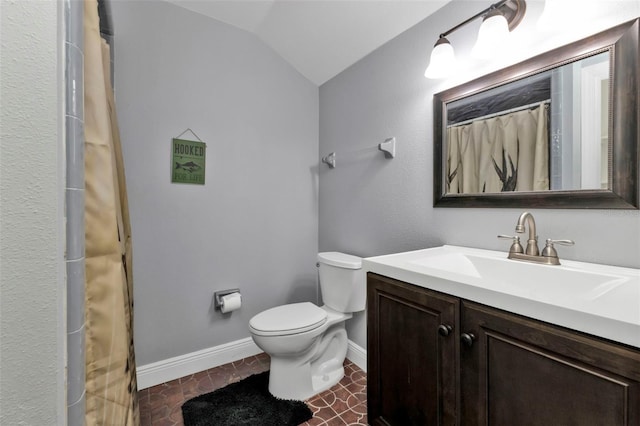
[
  {"x": 187, "y": 161},
  {"x": 189, "y": 166}
]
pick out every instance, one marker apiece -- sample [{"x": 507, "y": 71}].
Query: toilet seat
[{"x": 288, "y": 319}]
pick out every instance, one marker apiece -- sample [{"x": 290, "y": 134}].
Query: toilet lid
[{"x": 288, "y": 319}]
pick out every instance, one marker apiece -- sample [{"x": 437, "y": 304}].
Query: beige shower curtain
[
  {"x": 111, "y": 388},
  {"x": 506, "y": 153}
]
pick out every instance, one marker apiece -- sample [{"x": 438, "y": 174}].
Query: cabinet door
[
  {"x": 518, "y": 371},
  {"x": 412, "y": 360}
]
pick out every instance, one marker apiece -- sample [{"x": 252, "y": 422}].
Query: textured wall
[
  {"x": 31, "y": 193},
  {"x": 254, "y": 224},
  {"x": 372, "y": 206}
]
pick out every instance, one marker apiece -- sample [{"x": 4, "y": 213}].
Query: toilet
[{"x": 307, "y": 343}]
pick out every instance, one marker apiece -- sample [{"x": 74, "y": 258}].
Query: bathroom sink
[
  {"x": 598, "y": 299},
  {"x": 543, "y": 282}
]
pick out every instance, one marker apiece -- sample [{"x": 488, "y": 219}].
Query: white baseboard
[
  {"x": 357, "y": 355},
  {"x": 173, "y": 368}
]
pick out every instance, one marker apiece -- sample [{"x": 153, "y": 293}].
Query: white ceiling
[{"x": 320, "y": 38}]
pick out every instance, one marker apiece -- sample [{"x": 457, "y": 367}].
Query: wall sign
[{"x": 187, "y": 161}]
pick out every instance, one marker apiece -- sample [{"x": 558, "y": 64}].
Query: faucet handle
[
  {"x": 561, "y": 242},
  {"x": 550, "y": 251},
  {"x": 516, "y": 247}
]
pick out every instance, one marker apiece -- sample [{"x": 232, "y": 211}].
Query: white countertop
[{"x": 597, "y": 299}]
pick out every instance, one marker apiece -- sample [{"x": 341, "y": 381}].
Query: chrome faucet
[
  {"x": 549, "y": 255},
  {"x": 532, "y": 242}
]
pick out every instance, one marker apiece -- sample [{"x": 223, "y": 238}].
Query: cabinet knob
[
  {"x": 445, "y": 330},
  {"x": 467, "y": 338}
]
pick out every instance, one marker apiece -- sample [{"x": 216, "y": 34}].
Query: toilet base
[
  {"x": 302, "y": 377},
  {"x": 322, "y": 382},
  {"x": 287, "y": 382}
]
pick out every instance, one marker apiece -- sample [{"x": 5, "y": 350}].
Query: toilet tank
[{"x": 342, "y": 281}]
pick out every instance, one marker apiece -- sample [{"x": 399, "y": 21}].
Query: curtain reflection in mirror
[{"x": 503, "y": 153}]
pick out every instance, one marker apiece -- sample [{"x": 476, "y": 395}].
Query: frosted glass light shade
[
  {"x": 442, "y": 60},
  {"x": 492, "y": 36}
]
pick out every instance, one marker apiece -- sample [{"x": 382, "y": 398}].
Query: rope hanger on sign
[{"x": 188, "y": 130}]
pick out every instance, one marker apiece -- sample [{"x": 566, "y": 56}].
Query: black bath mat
[{"x": 247, "y": 402}]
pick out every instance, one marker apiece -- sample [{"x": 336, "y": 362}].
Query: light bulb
[
  {"x": 442, "y": 60},
  {"x": 492, "y": 36}
]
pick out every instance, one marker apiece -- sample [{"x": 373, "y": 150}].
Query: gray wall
[
  {"x": 32, "y": 185},
  {"x": 372, "y": 206},
  {"x": 254, "y": 224}
]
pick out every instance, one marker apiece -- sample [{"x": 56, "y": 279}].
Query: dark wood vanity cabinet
[
  {"x": 412, "y": 354},
  {"x": 494, "y": 368},
  {"x": 519, "y": 371}
]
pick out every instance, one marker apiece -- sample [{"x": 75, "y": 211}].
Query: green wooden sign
[{"x": 187, "y": 161}]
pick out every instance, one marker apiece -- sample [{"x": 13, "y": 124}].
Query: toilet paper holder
[{"x": 217, "y": 296}]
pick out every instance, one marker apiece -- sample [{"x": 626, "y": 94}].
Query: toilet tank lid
[{"x": 341, "y": 260}]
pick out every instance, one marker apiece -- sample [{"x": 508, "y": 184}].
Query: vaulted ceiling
[{"x": 320, "y": 38}]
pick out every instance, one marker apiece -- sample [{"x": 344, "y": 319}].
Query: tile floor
[{"x": 343, "y": 404}]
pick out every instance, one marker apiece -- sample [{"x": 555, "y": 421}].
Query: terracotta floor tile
[
  {"x": 315, "y": 421},
  {"x": 356, "y": 387},
  {"x": 145, "y": 419},
  {"x": 356, "y": 415},
  {"x": 359, "y": 376},
  {"x": 205, "y": 385},
  {"x": 164, "y": 422},
  {"x": 143, "y": 396},
  {"x": 324, "y": 413},
  {"x": 160, "y": 412},
  {"x": 176, "y": 414},
  {"x": 337, "y": 398},
  {"x": 343, "y": 404}
]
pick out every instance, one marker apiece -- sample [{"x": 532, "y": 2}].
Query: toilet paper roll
[{"x": 230, "y": 302}]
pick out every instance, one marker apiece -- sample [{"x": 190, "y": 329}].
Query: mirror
[{"x": 559, "y": 130}]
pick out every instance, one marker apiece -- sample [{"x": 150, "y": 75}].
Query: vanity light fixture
[
  {"x": 498, "y": 20},
  {"x": 493, "y": 30},
  {"x": 442, "y": 59}
]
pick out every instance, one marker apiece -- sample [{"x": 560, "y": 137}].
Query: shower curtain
[
  {"x": 506, "y": 153},
  {"x": 111, "y": 388}
]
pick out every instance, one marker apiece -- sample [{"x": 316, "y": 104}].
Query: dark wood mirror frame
[{"x": 622, "y": 42}]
